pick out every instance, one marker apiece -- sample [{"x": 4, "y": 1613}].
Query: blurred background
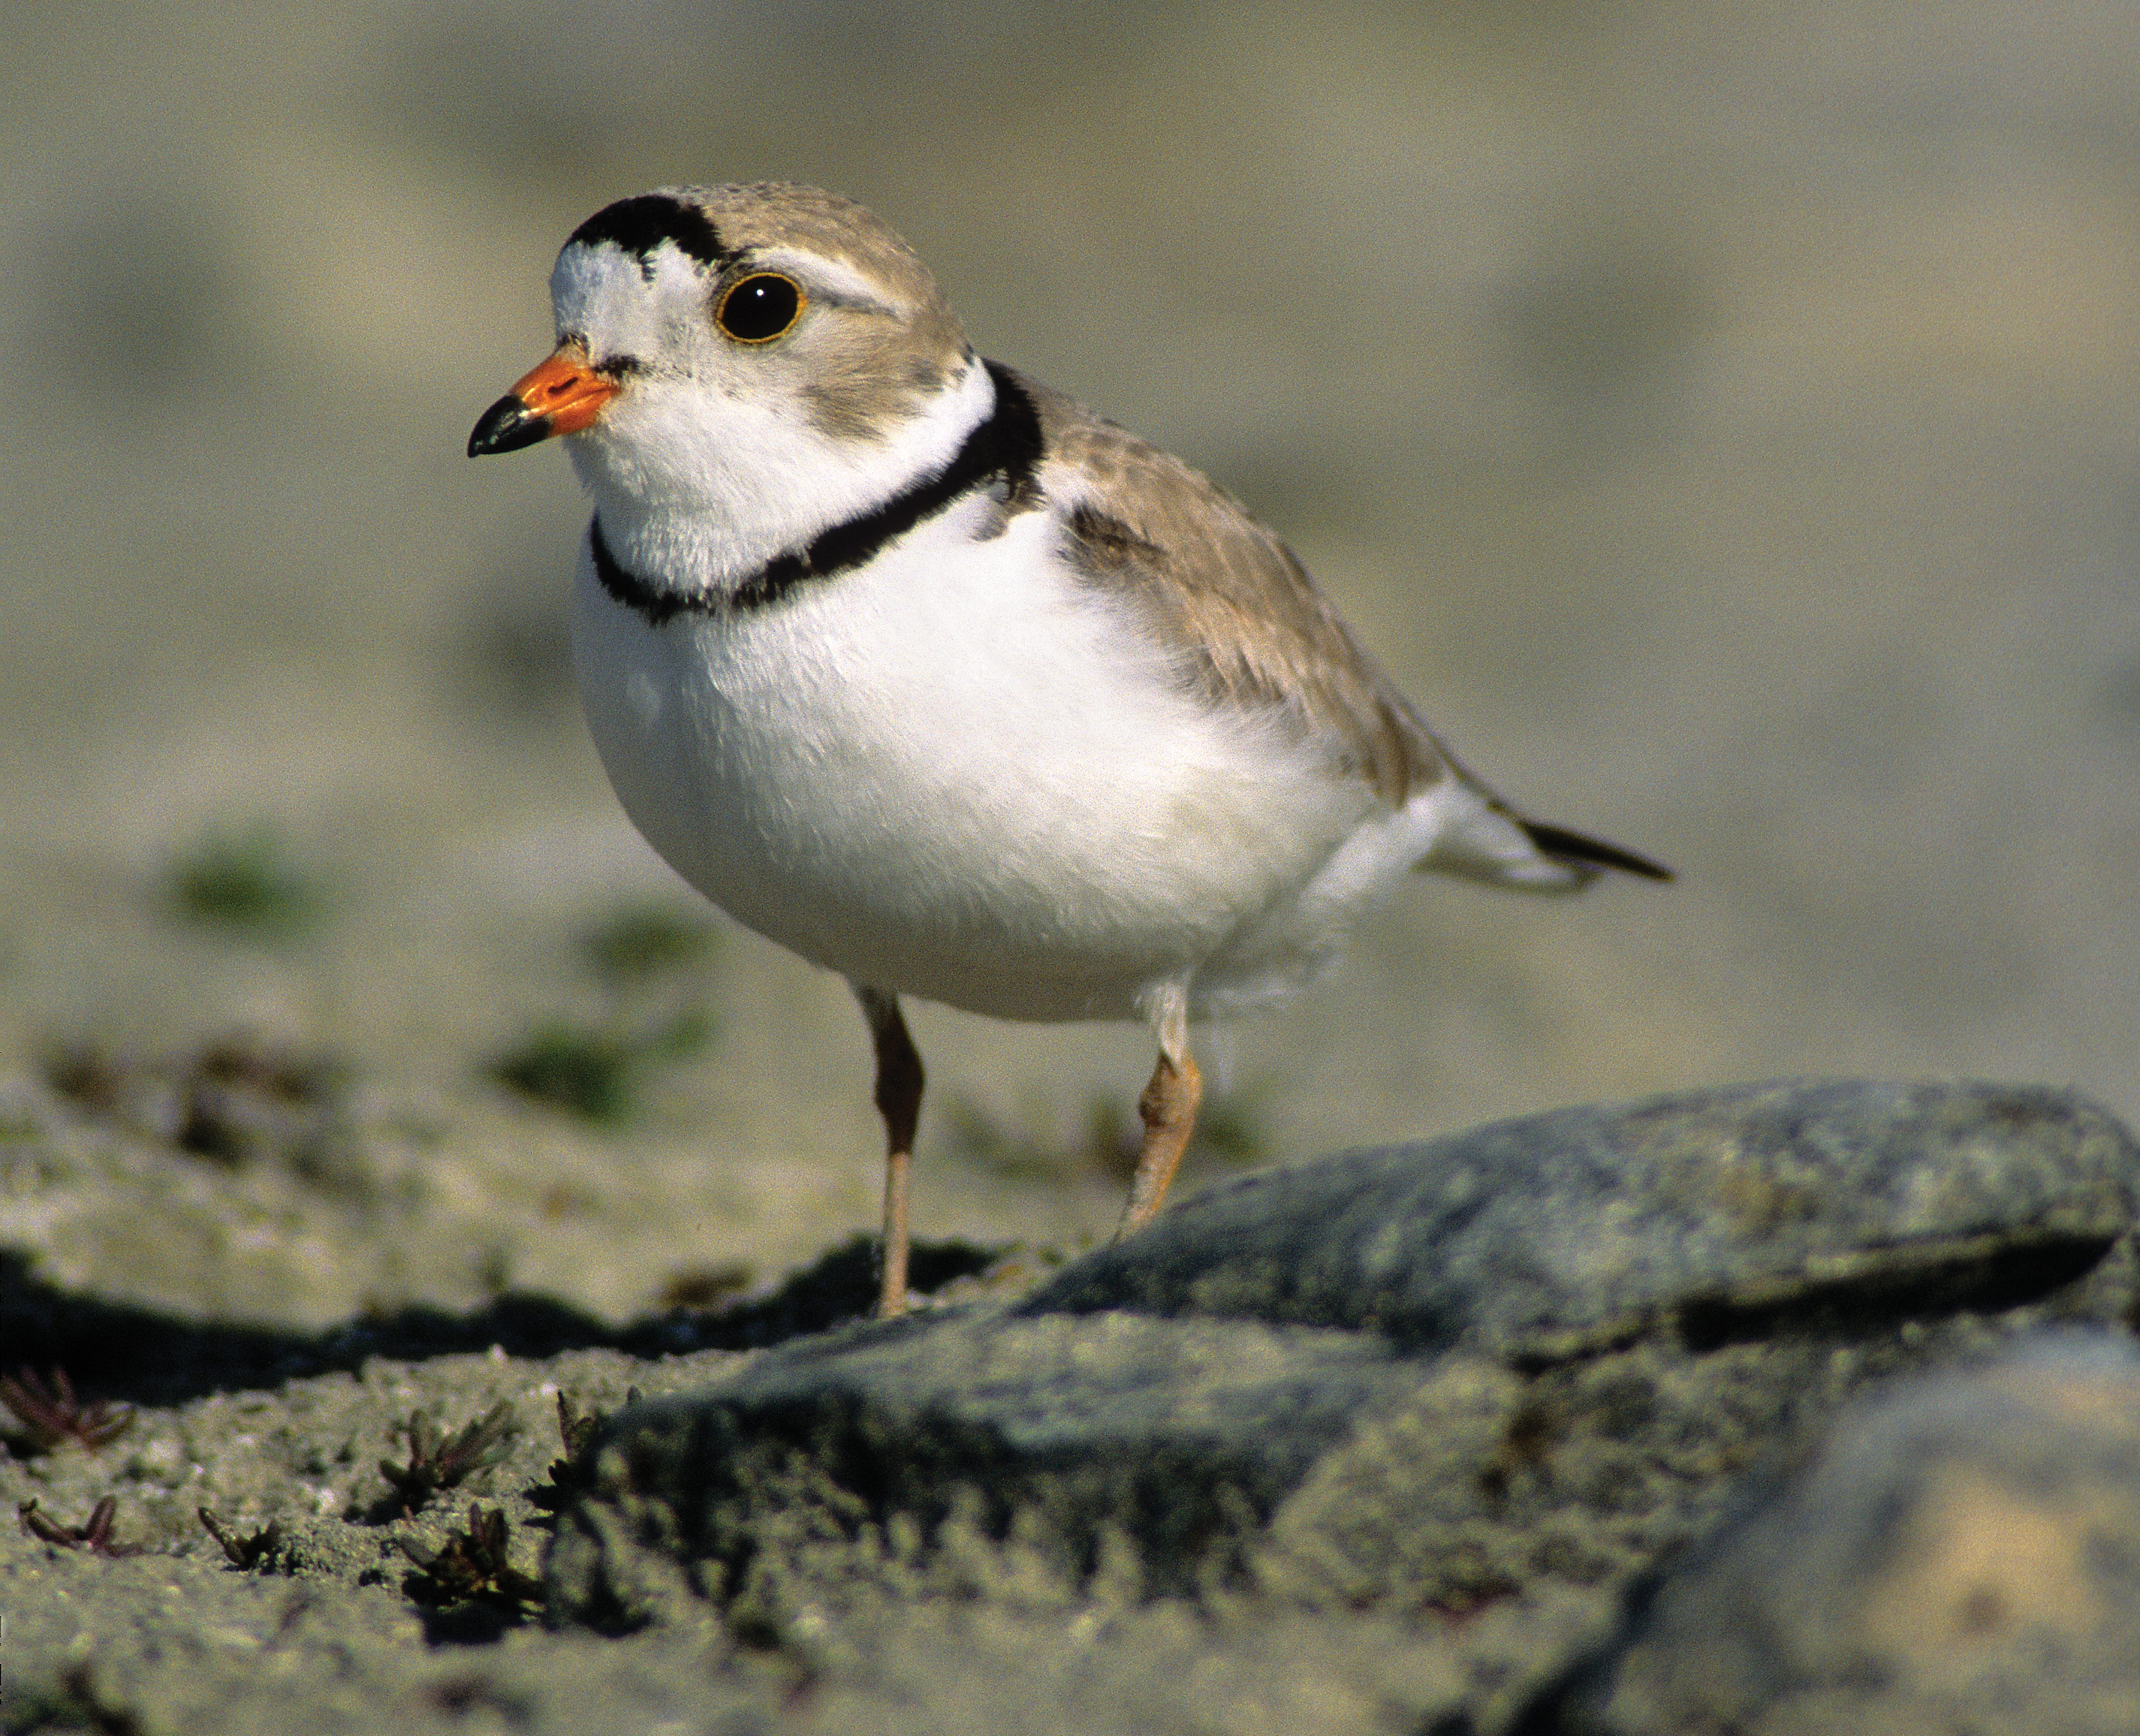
[{"x": 1720, "y": 419}]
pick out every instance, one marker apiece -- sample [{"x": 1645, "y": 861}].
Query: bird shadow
[{"x": 139, "y": 1353}]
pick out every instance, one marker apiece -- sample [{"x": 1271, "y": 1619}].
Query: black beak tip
[{"x": 507, "y": 426}]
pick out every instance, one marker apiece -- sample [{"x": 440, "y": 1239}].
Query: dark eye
[{"x": 760, "y": 307}]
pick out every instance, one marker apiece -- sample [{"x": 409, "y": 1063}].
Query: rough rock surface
[
  {"x": 1412, "y": 1382},
  {"x": 1963, "y": 1553},
  {"x": 1719, "y": 1216},
  {"x": 1385, "y": 1442}
]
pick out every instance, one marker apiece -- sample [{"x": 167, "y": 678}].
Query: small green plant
[
  {"x": 439, "y": 1461},
  {"x": 51, "y": 1415},
  {"x": 246, "y": 1553},
  {"x": 1232, "y": 1126},
  {"x": 1004, "y": 1147},
  {"x": 1231, "y": 1129},
  {"x": 583, "y": 1071},
  {"x": 94, "y": 1534},
  {"x": 595, "y": 1071},
  {"x": 573, "y": 1475},
  {"x": 704, "y": 1287},
  {"x": 473, "y": 1564},
  {"x": 636, "y": 942},
  {"x": 246, "y": 881}
]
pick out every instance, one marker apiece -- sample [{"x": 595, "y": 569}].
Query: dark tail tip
[{"x": 1572, "y": 846}]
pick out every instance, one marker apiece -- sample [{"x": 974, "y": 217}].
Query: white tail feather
[{"x": 1479, "y": 839}]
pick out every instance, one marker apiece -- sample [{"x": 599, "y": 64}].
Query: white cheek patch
[
  {"x": 702, "y": 489},
  {"x": 602, "y": 294}
]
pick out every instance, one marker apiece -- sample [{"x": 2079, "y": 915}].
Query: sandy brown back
[{"x": 1220, "y": 589}]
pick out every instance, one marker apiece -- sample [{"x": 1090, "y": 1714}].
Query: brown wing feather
[{"x": 1224, "y": 592}]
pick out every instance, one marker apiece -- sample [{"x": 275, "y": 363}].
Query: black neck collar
[{"x": 1006, "y": 442}]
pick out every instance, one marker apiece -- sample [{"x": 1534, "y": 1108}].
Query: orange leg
[
  {"x": 1168, "y": 1111},
  {"x": 898, "y": 1101}
]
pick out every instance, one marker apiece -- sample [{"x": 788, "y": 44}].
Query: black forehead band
[{"x": 641, "y": 224}]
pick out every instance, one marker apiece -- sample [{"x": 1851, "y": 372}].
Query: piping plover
[{"x": 931, "y": 674}]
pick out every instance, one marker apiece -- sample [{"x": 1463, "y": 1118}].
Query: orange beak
[{"x": 562, "y": 396}]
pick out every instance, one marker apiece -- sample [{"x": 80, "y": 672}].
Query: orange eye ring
[{"x": 760, "y": 307}]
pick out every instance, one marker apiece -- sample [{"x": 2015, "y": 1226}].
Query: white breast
[{"x": 958, "y": 773}]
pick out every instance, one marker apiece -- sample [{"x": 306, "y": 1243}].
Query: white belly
[{"x": 957, "y": 773}]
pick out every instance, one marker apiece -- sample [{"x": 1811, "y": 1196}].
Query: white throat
[{"x": 696, "y": 502}]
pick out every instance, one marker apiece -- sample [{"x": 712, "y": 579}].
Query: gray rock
[
  {"x": 1963, "y": 1554},
  {"x": 1414, "y": 1381},
  {"x": 1717, "y": 1215},
  {"x": 1146, "y": 1448}
]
